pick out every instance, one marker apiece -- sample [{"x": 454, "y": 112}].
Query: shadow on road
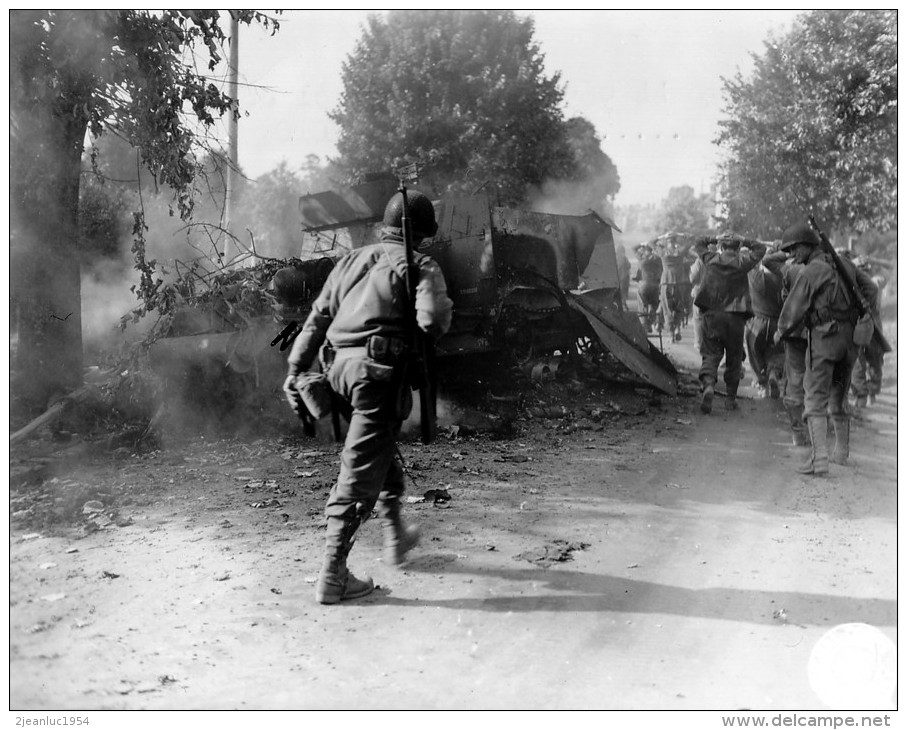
[{"x": 581, "y": 592}]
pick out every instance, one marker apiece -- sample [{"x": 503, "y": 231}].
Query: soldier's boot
[
  {"x": 705, "y": 402},
  {"x": 730, "y": 400},
  {"x": 399, "y": 538},
  {"x": 774, "y": 387},
  {"x": 818, "y": 458},
  {"x": 798, "y": 426},
  {"x": 841, "y": 451},
  {"x": 858, "y": 406},
  {"x": 335, "y": 582}
]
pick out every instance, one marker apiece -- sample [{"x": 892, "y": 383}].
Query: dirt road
[{"x": 634, "y": 554}]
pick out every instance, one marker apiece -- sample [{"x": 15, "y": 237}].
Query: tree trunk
[{"x": 46, "y": 302}]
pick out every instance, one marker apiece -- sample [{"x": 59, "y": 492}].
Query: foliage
[
  {"x": 684, "y": 211},
  {"x": 463, "y": 93},
  {"x": 103, "y": 220},
  {"x": 814, "y": 130},
  {"x": 132, "y": 73},
  {"x": 237, "y": 296},
  {"x": 270, "y": 205},
  {"x": 590, "y": 162}
]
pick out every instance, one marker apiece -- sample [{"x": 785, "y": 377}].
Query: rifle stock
[
  {"x": 422, "y": 355},
  {"x": 863, "y": 306}
]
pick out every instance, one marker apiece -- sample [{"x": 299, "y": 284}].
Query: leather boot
[
  {"x": 842, "y": 439},
  {"x": 798, "y": 425},
  {"x": 774, "y": 387},
  {"x": 859, "y": 405},
  {"x": 708, "y": 393},
  {"x": 818, "y": 459},
  {"x": 730, "y": 400},
  {"x": 399, "y": 538},
  {"x": 335, "y": 582}
]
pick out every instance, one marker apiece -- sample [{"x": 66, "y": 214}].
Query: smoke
[{"x": 572, "y": 197}]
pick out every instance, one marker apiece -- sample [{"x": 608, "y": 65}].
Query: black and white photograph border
[{"x": 591, "y": 536}]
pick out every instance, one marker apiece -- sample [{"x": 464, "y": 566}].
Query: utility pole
[{"x": 233, "y": 124}]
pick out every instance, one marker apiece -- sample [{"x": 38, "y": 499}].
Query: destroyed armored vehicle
[
  {"x": 538, "y": 285},
  {"x": 535, "y": 284}
]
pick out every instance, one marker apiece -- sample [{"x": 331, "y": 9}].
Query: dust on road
[{"x": 631, "y": 553}]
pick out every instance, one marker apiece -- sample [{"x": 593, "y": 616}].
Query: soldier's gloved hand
[
  {"x": 291, "y": 394},
  {"x": 777, "y": 338}
]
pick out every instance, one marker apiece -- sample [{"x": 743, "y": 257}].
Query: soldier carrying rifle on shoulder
[{"x": 361, "y": 328}]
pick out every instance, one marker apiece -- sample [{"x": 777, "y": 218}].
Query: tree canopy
[
  {"x": 684, "y": 211},
  {"x": 464, "y": 93},
  {"x": 132, "y": 73},
  {"x": 814, "y": 129}
]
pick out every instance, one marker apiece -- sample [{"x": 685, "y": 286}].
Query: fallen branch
[{"x": 52, "y": 414}]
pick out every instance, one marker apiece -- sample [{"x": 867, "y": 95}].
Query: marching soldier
[
  {"x": 648, "y": 278},
  {"x": 362, "y": 317},
  {"x": 820, "y": 300},
  {"x": 725, "y": 303}
]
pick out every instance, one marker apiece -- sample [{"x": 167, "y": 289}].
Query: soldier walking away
[
  {"x": 724, "y": 298},
  {"x": 820, "y": 299},
  {"x": 675, "y": 283},
  {"x": 765, "y": 355},
  {"x": 648, "y": 278},
  {"x": 781, "y": 263},
  {"x": 867, "y": 370},
  {"x": 696, "y": 274},
  {"x": 359, "y": 329}
]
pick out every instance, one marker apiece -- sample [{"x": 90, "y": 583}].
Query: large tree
[
  {"x": 464, "y": 92},
  {"x": 130, "y": 72},
  {"x": 814, "y": 128}
]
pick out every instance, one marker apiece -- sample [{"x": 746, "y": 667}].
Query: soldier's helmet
[
  {"x": 421, "y": 213},
  {"x": 799, "y": 233}
]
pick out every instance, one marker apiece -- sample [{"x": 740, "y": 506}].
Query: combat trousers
[
  {"x": 697, "y": 328},
  {"x": 794, "y": 372},
  {"x": 830, "y": 357},
  {"x": 647, "y": 305},
  {"x": 867, "y": 371},
  {"x": 722, "y": 337},
  {"x": 376, "y": 402},
  {"x": 766, "y": 358},
  {"x": 673, "y": 304}
]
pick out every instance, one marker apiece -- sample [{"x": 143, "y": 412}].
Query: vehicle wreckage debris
[
  {"x": 438, "y": 497},
  {"x": 556, "y": 551}
]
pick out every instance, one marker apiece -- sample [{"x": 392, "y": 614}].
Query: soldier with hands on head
[
  {"x": 676, "y": 287},
  {"x": 724, "y": 299},
  {"x": 820, "y": 301},
  {"x": 648, "y": 289},
  {"x": 359, "y": 329}
]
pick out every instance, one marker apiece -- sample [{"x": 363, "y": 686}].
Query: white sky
[{"x": 649, "y": 80}]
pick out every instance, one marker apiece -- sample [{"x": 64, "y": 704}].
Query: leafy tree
[
  {"x": 591, "y": 163},
  {"x": 814, "y": 129},
  {"x": 104, "y": 218},
  {"x": 463, "y": 92},
  {"x": 684, "y": 211},
  {"x": 130, "y": 72}
]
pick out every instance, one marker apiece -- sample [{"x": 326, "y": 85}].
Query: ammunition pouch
[
  {"x": 315, "y": 393},
  {"x": 863, "y": 330},
  {"x": 386, "y": 350}
]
